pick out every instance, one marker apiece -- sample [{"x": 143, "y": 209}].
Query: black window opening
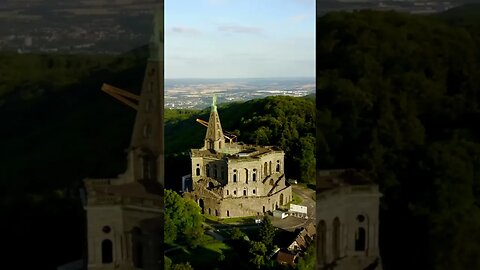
[
  {"x": 107, "y": 251},
  {"x": 360, "y": 239}
]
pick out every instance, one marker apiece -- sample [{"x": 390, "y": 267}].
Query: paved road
[{"x": 215, "y": 235}]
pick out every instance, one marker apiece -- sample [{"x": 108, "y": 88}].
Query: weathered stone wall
[
  {"x": 121, "y": 222},
  {"x": 239, "y": 206},
  {"x": 349, "y": 205}
]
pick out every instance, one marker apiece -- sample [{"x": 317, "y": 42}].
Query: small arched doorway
[
  {"x": 107, "y": 251},
  {"x": 202, "y": 205}
]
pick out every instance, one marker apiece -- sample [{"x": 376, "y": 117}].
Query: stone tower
[
  {"x": 125, "y": 214},
  {"x": 214, "y": 140},
  {"x": 146, "y": 158}
]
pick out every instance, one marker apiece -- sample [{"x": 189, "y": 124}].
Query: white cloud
[{"x": 185, "y": 30}]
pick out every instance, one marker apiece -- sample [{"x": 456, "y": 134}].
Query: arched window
[
  {"x": 360, "y": 234},
  {"x": 234, "y": 192},
  {"x": 254, "y": 175},
  {"x": 360, "y": 237},
  {"x": 234, "y": 175},
  {"x": 207, "y": 170},
  {"x": 246, "y": 176},
  {"x": 107, "y": 251},
  {"x": 253, "y": 191},
  {"x": 147, "y": 163},
  {"x": 201, "y": 203},
  {"x": 336, "y": 238},
  {"x": 198, "y": 171},
  {"x": 244, "y": 192},
  {"x": 228, "y": 213},
  {"x": 265, "y": 170},
  {"x": 278, "y": 166},
  {"x": 270, "y": 167},
  {"x": 264, "y": 209},
  {"x": 228, "y": 192},
  {"x": 146, "y": 130},
  {"x": 216, "y": 212}
]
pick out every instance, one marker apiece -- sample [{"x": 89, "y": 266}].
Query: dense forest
[
  {"x": 398, "y": 97},
  {"x": 57, "y": 129}
]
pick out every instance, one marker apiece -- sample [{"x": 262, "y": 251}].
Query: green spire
[{"x": 214, "y": 103}]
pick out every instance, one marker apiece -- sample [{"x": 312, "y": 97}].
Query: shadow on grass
[{"x": 209, "y": 256}]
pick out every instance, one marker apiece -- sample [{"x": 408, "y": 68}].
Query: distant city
[
  {"x": 197, "y": 93},
  {"x": 113, "y": 27}
]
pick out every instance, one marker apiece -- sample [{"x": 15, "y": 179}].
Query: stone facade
[
  {"x": 347, "y": 221},
  {"x": 236, "y": 180},
  {"x": 125, "y": 214}
]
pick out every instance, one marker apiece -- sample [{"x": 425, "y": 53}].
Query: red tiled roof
[{"x": 285, "y": 257}]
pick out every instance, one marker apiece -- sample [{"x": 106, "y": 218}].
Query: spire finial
[{"x": 214, "y": 103}]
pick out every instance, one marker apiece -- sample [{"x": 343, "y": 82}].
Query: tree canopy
[
  {"x": 397, "y": 96},
  {"x": 183, "y": 219}
]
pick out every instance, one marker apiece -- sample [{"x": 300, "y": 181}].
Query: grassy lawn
[
  {"x": 208, "y": 255},
  {"x": 295, "y": 200}
]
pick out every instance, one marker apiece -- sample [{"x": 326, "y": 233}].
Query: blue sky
[{"x": 239, "y": 39}]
